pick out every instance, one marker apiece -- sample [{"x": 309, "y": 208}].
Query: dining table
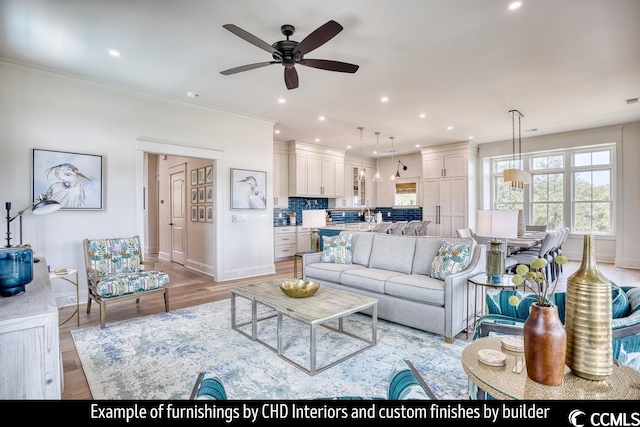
[{"x": 528, "y": 240}]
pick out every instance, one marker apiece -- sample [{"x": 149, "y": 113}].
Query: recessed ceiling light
[
  {"x": 321, "y": 118},
  {"x": 470, "y": 136},
  {"x": 114, "y": 52},
  {"x": 277, "y": 131},
  {"x": 348, "y": 147},
  {"x": 417, "y": 145},
  {"x": 515, "y": 5},
  {"x": 317, "y": 140},
  {"x": 384, "y": 99},
  {"x": 192, "y": 95},
  {"x": 450, "y": 127},
  {"x": 282, "y": 100},
  {"x": 422, "y": 116}
]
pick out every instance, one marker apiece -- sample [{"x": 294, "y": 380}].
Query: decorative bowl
[{"x": 299, "y": 288}]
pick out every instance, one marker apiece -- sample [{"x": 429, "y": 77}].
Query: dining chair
[
  {"x": 464, "y": 232},
  {"x": 548, "y": 243}
]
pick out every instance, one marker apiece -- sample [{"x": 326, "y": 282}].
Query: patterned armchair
[
  {"x": 405, "y": 383},
  {"x": 502, "y": 318},
  {"x": 116, "y": 271}
]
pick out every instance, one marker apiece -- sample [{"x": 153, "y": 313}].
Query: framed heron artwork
[
  {"x": 248, "y": 189},
  {"x": 72, "y": 179}
]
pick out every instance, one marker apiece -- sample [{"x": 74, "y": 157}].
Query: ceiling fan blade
[
  {"x": 291, "y": 77},
  {"x": 325, "y": 64},
  {"x": 317, "y": 38},
  {"x": 252, "y": 39},
  {"x": 247, "y": 67}
]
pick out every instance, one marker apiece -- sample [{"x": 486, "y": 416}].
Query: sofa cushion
[
  {"x": 392, "y": 252},
  {"x": 451, "y": 258},
  {"x": 130, "y": 283},
  {"x": 370, "y": 279},
  {"x": 619, "y": 302},
  {"x": 336, "y": 249},
  {"x": 329, "y": 272},
  {"x": 633, "y": 295},
  {"x": 426, "y": 251},
  {"x": 416, "y": 287},
  {"x": 361, "y": 248}
]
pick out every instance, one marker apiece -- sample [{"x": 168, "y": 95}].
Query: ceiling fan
[{"x": 289, "y": 52}]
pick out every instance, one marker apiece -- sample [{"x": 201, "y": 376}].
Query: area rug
[{"x": 159, "y": 356}]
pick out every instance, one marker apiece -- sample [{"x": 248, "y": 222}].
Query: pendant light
[
  {"x": 393, "y": 175},
  {"x": 516, "y": 177},
  {"x": 362, "y": 176},
  {"x": 377, "y": 177}
]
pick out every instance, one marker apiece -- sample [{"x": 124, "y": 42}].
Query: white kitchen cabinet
[
  {"x": 280, "y": 180},
  {"x": 439, "y": 165},
  {"x": 30, "y": 366},
  {"x": 315, "y": 171},
  {"x": 303, "y": 239},
  {"x": 445, "y": 205},
  {"x": 284, "y": 242},
  {"x": 448, "y": 190}
]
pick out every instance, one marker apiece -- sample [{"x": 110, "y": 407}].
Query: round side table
[{"x": 71, "y": 276}]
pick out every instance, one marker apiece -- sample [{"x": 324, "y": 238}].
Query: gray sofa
[{"x": 396, "y": 270}]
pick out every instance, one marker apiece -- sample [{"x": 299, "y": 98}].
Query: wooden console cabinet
[{"x": 30, "y": 362}]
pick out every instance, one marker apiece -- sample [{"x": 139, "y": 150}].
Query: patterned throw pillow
[
  {"x": 336, "y": 249},
  {"x": 450, "y": 259}
]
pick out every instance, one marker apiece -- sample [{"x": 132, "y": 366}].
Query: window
[
  {"x": 548, "y": 191},
  {"x": 507, "y": 198},
  {"x": 569, "y": 188},
  {"x": 592, "y": 192},
  {"x": 406, "y": 193}
]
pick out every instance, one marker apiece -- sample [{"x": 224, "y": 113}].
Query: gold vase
[{"x": 588, "y": 318}]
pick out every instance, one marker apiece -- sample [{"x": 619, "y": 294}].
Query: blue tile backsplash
[{"x": 298, "y": 204}]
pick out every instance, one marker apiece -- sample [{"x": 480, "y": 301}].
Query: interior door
[{"x": 178, "y": 213}]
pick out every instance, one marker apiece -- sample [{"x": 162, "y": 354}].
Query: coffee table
[{"x": 327, "y": 305}]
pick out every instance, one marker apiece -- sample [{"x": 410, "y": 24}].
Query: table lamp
[
  {"x": 314, "y": 219},
  {"x": 16, "y": 262},
  {"x": 496, "y": 224}
]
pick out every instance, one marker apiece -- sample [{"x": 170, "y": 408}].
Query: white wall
[
  {"x": 623, "y": 247},
  {"x": 50, "y": 111}
]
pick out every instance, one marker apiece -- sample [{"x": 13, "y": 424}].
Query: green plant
[{"x": 536, "y": 280}]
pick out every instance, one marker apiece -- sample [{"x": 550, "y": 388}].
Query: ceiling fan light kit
[{"x": 289, "y": 53}]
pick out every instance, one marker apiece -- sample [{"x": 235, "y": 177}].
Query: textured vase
[
  {"x": 588, "y": 318},
  {"x": 522, "y": 228},
  {"x": 545, "y": 344}
]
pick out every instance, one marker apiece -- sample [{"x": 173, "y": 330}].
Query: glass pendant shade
[
  {"x": 377, "y": 177},
  {"x": 393, "y": 175}
]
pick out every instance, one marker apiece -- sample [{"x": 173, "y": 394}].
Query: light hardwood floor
[{"x": 188, "y": 288}]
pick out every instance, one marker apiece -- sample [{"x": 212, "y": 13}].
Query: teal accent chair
[
  {"x": 405, "y": 383},
  {"x": 502, "y": 318}
]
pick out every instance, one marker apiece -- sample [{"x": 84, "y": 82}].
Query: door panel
[{"x": 178, "y": 213}]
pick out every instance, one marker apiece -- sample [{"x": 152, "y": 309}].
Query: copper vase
[
  {"x": 588, "y": 318},
  {"x": 545, "y": 344}
]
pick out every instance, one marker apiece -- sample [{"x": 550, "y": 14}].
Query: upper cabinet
[
  {"x": 280, "y": 175},
  {"x": 315, "y": 171},
  {"x": 436, "y": 164},
  {"x": 449, "y": 190}
]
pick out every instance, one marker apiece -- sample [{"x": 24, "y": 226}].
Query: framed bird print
[
  {"x": 72, "y": 179},
  {"x": 248, "y": 189}
]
